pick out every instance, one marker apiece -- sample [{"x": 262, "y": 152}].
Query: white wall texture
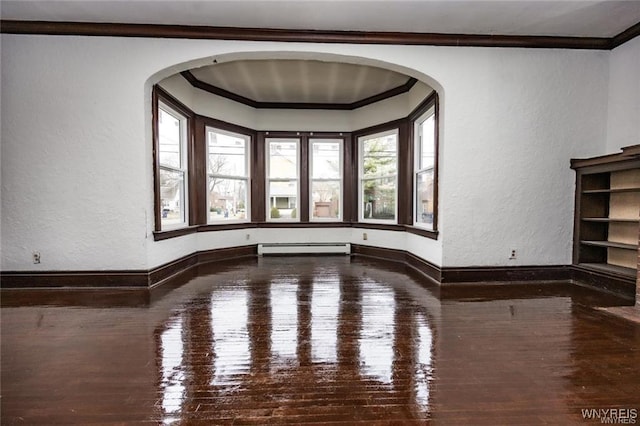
[
  {"x": 623, "y": 118},
  {"x": 77, "y": 164}
]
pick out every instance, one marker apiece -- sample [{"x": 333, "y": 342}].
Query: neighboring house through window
[
  {"x": 378, "y": 177},
  {"x": 173, "y": 169},
  {"x": 227, "y": 176},
  {"x": 325, "y": 179},
  {"x": 283, "y": 179}
]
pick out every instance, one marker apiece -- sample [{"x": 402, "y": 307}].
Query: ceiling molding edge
[
  {"x": 313, "y": 36},
  {"x": 199, "y": 84}
]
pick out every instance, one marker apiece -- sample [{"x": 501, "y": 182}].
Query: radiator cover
[{"x": 304, "y": 248}]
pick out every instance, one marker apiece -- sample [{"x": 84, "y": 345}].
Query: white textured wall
[
  {"x": 623, "y": 123},
  {"x": 510, "y": 129},
  {"x": 76, "y": 146}
]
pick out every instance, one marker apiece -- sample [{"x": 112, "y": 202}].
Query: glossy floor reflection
[{"x": 315, "y": 339}]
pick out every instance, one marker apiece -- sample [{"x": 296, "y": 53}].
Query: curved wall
[{"x": 210, "y": 105}]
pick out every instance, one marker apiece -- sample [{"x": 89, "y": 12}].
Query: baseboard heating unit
[{"x": 303, "y": 248}]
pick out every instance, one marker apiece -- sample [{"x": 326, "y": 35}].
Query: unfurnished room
[{"x": 320, "y": 212}]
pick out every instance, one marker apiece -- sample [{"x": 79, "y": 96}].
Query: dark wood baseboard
[
  {"x": 204, "y": 262},
  {"x": 505, "y": 273},
  {"x": 163, "y": 274},
  {"x": 378, "y": 252},
  {"x": 172, "y": 269},
  {"x": 428, "y": 269},
  {"x": 617, "y": 284},
  {"x": 75, "y": 279},
  {"x": 467, "y": 275}
]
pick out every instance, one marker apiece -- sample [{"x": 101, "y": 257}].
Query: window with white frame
[
  {"x": 173, "y": 169},
  {"x": 424, "y": 179},
  {"x": 227, "y": 176},
  {"x": 378, "y": 177},
  {"x": 283, "y": 178},
  {"x": 325, "y": 179}
]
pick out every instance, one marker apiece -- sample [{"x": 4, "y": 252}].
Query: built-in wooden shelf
[
  {"x": 610, "y": 244},
  {"x": 604, "y": 267},
  {"x": 609, "y": 219},
  {"x": 607, "y": 215},
  {"x": 609, "y": 190}
]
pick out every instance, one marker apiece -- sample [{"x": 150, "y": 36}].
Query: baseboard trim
[
  {"x": 457, "y": 275},
  {"x": 620, "y": 285},
  {"x": 468, "y": 275},
  {"x": 152, "y": 278},
  {"x": 74, "y": 279},
  {"x": 194, "y": 264}
]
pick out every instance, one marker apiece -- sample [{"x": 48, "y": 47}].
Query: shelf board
[
  {"x": 610, "y": 244},
  {"x": 610, "y": 191},
  {"x": 608, "y": 219},
  {"x": 605, "y": 267}
]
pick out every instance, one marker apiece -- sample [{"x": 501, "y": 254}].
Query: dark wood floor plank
[{"x": 306, "y": 340}]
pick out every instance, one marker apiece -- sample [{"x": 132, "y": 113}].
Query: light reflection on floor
[
  {"x": 298, "y": 327},
  {"x": 325, "y": 299},
  {"x": 377, "y": 334},
  {"x": 230, "y": 352},
  {"x": 326, "y": 340}
]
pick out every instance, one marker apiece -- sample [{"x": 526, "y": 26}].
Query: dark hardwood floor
[{"x": 315, "y": 339}]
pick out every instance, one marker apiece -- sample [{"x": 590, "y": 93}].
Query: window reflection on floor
[
  {"x": 423, "y": 362},
  {"x": 284, "y": 320},
  {"x": 298, "y": 336},
  {"x": 173, "y": 374},
  {"x": 378, "y": 331},
  {"x": 230, "y": 337},
  {"x": 325, "y": 306}
]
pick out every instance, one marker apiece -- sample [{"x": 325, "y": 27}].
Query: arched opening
[{"x": 290, "y": 140}]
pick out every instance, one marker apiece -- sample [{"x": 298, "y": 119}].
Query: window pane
[
  {"x": 227, "y": 199},
  {"x": 326, "y": 199},
  {"x": 427, "y": 145},
  {"x": 379, "y": 198},
  {"x": 227, "y": 154},
  {"x": 424, "y": 197},
  {"x": 172, "y": 197},
  {"x": 169, "y": 139},
  {"x": 283, "y": 200},
  {"x": 325, "y": 158},
  {"x": 379, "y": 156},
  {"x": 283, "y": 159}
]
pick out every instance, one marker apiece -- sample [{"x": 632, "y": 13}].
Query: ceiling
[
  {"x": 300, "y": 81},
  {"x": 585, "y": 18},
  {"x": 316, "y": 82}
]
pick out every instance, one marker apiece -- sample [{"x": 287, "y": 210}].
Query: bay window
[
  {"x": 425, "y": 163},
  {"x": 425, "y": 193},
  {"x": 283, "y": 179},
  {"x": 212, "y": 175},
  {"x": 378, "y": 177},
  {"x": 227, "y": 176},
  {"x": 325, "y": 179},
  {"x": 172, "y": 167}
]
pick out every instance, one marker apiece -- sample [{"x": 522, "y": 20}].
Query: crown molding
[
  {"x": 628, "y": 34},
  {"x": 199, "y": 84},
  {"x": 313, "y": 36}
]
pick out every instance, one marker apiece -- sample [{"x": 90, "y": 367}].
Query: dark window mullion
[{"x": 304, "y": 179}]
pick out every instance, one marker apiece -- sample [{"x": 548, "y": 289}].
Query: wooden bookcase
[{"x": 607, "y": 215}]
